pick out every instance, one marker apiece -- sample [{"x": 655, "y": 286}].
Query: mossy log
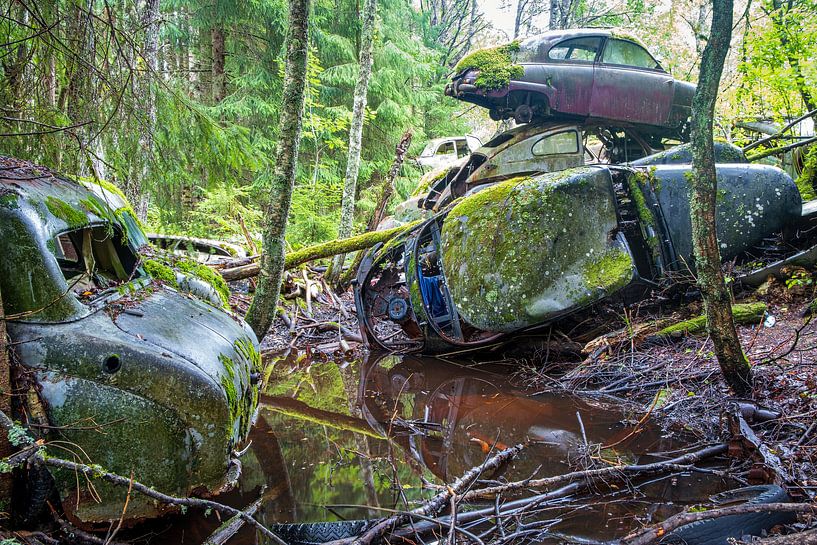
[
  {"x": 298, "y": 409},
  {"x": 745, "y": 313},
  {"x": 327, "y": 249}
]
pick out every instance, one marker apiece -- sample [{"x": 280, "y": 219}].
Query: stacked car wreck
[
  {"x": 524, "y": 235},
  {"x": 122, "y": 370}
]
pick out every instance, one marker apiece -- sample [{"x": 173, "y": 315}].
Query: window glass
[
  {"x": 577, "y": 49},
  {"x": 462, "y": 148},
  {"x": 629, "y": 54},
  {"x": 446, "y": 148},
  {"x": 557, "y": 144}
]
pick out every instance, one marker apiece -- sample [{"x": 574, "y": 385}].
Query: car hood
[{"x": 219, "y": 344}]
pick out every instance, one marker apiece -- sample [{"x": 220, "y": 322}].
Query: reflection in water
[{"x": 334, "y": 439}]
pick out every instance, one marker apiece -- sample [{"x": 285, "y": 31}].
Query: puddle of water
[{"x": 333, "y": 439}]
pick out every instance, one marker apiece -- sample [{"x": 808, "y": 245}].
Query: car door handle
[{"x": 669, "y": 81}]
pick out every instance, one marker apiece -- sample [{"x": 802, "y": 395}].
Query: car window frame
[
  {"x": 548, "y": 60},
  {"x": 552, "y": 134},
  {"x": 607, "y": 40}
]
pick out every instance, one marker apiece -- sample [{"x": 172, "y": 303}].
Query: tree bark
[
  {"x": 388, "y": 183},
  {"x": 347, "y": 210},
  {"x": 521, "y": 6},
  {"x": 134, "y": 188},
  {"x": 703, "y": 192},
  {"x": 5, "y": 405},
  {"x": 219, "y": 56},
  {"x": 276, "y": 211},
  {"x": 327, "y": 249}
]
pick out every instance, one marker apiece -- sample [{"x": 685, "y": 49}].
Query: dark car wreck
[
  {"x": 553, "y": 146},
  {"x": 114, "y": 367},
  {"x": 527, "y": 252},
  {"x": 586, "y": 73}
]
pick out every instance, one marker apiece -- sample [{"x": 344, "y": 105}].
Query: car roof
[
  {"x": 552, "y": 37},
  {"x": 445, "y": 139},
  {"x": 60, "y": 202}
]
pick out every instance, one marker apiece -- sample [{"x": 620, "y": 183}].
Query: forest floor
[{"x": 674, "y": 381}]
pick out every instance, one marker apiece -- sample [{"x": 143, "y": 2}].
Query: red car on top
[{"x": 578, "y": 73}]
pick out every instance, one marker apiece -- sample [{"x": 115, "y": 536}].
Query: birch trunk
[
  {"x": 262, "y": 310},
  {"x": 347, "y": 210},
  {"x": 703, "y": 192}
]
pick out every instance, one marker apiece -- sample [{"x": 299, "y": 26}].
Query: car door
[
  {"x": 630, "y": 85},
  {"x": 568, "y": 68}
]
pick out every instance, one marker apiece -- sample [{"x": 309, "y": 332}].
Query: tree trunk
[
  {"x": 319, "y": 251},
  {"x": 520, "y": 14},
  {"x": 219, "y": 86},
  {"x": 347, "y": 210},
  {"x": 388, "y": 183},
  {"x": 276, "y": 211},
  {"x": 703, "y": 192},
  {"x": 5, "y": 406},
  {"x": 559, "y": 14},
  {"x": 134, "y": 188}
]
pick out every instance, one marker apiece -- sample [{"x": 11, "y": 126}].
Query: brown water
[{"x": 336, "y": 441}]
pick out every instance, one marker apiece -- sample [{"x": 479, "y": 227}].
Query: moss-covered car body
[
  {"x": 116, "y": 369},
  {"x": 585, "y": 73},
  {"x": 529, "y": 251}
]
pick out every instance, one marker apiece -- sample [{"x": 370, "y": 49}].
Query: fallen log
[
  {"x": 326, "y": 249},
  {"x": 226, "y": 531},
  {"x": 300, "y": 410},
  {"x": 744, "y": 313}
]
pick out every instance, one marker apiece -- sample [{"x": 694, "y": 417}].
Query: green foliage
[{"x": 212, "y": 160}]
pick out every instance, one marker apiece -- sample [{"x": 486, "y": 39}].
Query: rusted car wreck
[
  {"x": 579, "y": 73},
  {"x": 115, "y": 367},
  {"x": 553, "y": 146},
  {"x": 530, "y": 251}
]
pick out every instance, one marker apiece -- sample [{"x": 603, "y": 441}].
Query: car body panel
[
  {"x": 509, "y": 261},
  {"x": 138, "y": 376}
]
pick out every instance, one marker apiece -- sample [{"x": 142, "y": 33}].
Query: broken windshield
[{"x": 94, "y": 259}]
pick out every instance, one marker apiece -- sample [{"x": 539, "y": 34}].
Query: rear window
[
  {"x": 628, "y": 54},
  {"x": 577, "y": 50},
  {"x": 560, "y": 143}
]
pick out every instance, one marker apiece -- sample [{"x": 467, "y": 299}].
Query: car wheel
[
  {"x": 495, "y": 114},
  {"x": 718, "y": 531},
  {"x": 523, "y": 114}
]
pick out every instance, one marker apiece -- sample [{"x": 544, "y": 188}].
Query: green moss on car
[{"x": 495, "y": 65}]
